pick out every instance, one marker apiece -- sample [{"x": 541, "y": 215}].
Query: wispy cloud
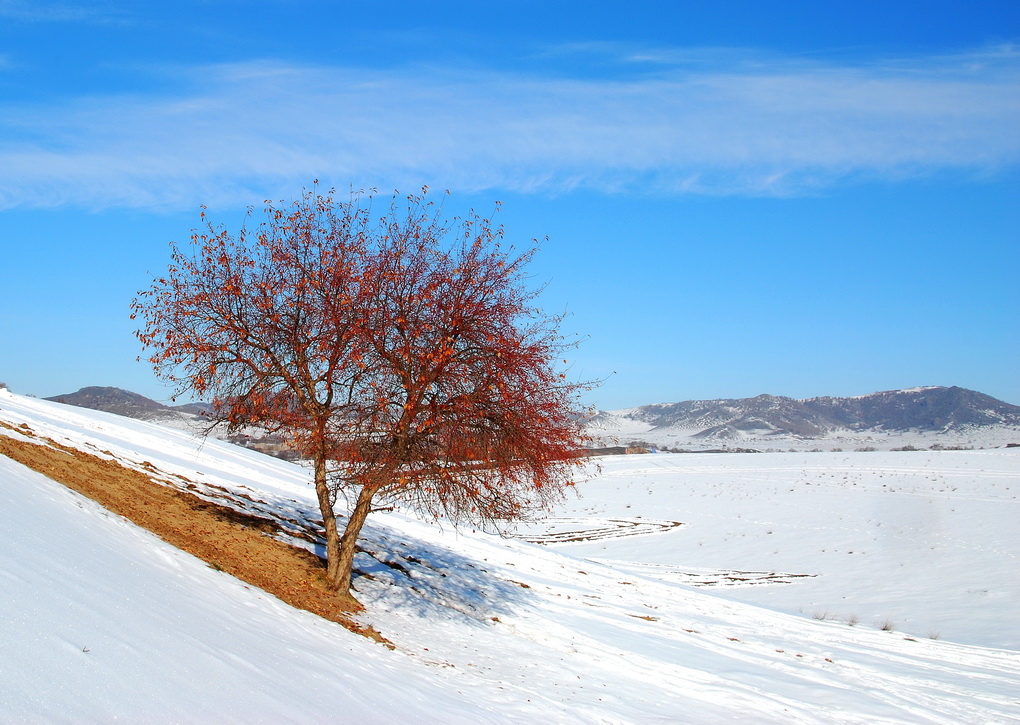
[
  {"x": 34, "y": 11},
  {"x": 742, "y": 128}
]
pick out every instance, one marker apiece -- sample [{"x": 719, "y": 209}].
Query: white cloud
[
  {"x": 44, "y": 12},
  {"x": 738, "y": 129}
]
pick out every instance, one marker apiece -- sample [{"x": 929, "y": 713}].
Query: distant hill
[
  {"x": 928, "y": 411},
  {"x": 131, "y": 405},
  {"x": 192, "y": 417}
]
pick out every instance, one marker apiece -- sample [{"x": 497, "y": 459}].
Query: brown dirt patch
[{"x": 234, "y": 542}]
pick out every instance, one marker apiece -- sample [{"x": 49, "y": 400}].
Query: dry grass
[{"x": 236, "y": 543}]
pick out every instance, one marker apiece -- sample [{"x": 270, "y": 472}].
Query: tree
[{"x": 403, "y": 355}]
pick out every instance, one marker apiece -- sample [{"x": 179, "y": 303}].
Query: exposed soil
[
  {"x": 592, "y": 529},
  {"x": 237, "y": 543}
]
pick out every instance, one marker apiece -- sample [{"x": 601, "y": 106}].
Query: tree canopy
[{"x": 401, "y": 352}]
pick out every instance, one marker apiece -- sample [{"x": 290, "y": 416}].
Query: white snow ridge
[{"x": 694, "y": 588}]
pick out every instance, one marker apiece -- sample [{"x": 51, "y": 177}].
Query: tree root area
[{"x": 239, "y": 545}]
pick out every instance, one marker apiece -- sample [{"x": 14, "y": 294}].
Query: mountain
[
  {"x": 928, "y": 409},
  {"x": 928, "y": 412},
  {"x": 721, "y": 418},
  {"x": 128, "y": 404}
]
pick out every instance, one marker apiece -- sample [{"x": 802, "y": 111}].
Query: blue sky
[{"x": 797, "y": 198}]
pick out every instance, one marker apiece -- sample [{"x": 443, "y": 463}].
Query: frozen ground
[
  {"x": 925, "y": 541},
  {"x": 103, "y": 621}
]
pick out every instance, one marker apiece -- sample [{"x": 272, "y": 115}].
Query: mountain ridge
[
  {"x": 930, "y": 410},
  {"x": 131, "y": 405}
]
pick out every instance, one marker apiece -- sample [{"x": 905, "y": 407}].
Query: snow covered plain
[
  {"x": 100, "y": 620},
  {"x": 927, "y": 542}
]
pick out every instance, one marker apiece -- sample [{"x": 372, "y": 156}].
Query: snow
[
  {"x": 918, "y": 389},
  {"x": 618, "y": 424},
  {"x": 926, "y": 540},
  {"x": 616, "y": 429},
  {"x": 100, "y": 620}
]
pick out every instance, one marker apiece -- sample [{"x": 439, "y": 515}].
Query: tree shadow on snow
[
  {"x": 393, "y": 569},
  {"x": 429, "y": 580}
]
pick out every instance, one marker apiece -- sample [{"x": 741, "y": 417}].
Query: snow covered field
[
  {"x": 101, "y": 620},
  {"x": 925, "y": 541}
]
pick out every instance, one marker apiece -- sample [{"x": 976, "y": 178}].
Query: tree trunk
[
  {"x": 349, "y": 542},
  {"x": 333, "y": 569}
]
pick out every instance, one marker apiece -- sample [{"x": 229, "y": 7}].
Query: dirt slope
[{"x": 234, "y": 542}]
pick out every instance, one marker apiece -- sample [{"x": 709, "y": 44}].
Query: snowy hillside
[{"x": 103, "y": 621}]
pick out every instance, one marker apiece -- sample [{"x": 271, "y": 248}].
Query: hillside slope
[
  {"x": 103, "y": 621},
  {"x": 109, "y": 622}
]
